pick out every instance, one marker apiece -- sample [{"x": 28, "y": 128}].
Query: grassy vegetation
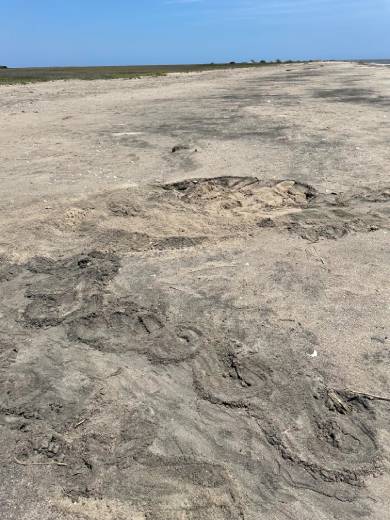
[{"x": 11, "y": 76}]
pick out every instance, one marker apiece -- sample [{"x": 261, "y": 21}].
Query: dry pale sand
[{"x": 204, "y": 333}]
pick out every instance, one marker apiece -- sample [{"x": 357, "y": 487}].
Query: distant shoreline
[{"x": 376, "y": 62}]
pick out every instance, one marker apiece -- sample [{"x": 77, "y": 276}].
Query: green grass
[{"x": 34, "y": 75}]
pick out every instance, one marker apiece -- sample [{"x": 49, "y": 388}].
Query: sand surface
[{"x": 197, "y": 334}]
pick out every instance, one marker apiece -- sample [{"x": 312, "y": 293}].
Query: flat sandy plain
[{"x": 200, "y": 333}]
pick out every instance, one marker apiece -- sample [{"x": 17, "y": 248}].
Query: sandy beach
[{"x": 195, "y": 296}]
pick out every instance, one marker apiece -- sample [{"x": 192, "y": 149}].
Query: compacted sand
[{"x": 200, "y": 333}]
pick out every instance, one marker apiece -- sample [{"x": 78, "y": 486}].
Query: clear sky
[{"x": 122, "y": 32}]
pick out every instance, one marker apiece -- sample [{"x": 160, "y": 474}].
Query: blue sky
[{"x": 105, "y": 32}]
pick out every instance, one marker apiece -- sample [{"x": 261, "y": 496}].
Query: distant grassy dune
[{"x": 32, "y": 75}]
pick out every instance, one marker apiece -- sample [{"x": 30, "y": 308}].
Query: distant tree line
[{"x": 264, "y": 62}]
